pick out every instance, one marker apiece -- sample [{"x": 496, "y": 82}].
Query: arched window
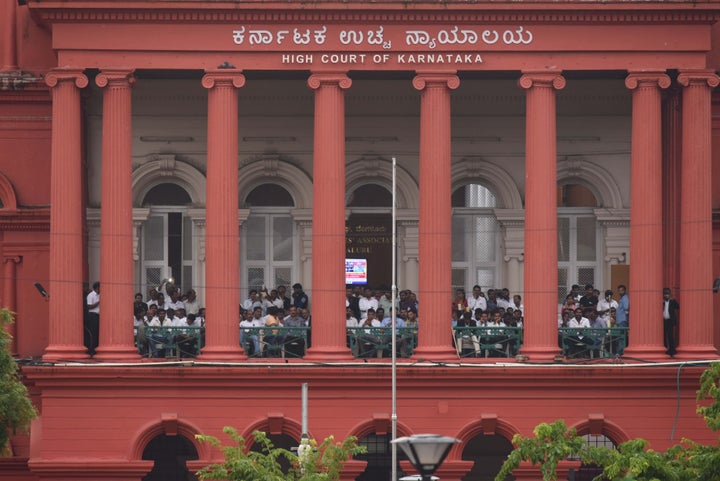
[
  {"x": 370, "y": 195},
  {"x": 170, "y": 454},
  {"x": 268, "y": 247},
  {"x": 488, "y": 452},
  {"x": 283, "y": 441},
  {"x": 167, "y": 194},
  {"x": 268, "y": 195},
  {"x": 167, "y": 247},
  {"x": 475, "y": 238},
  {"x": 379, "y": 458},
  {"x": 577, "y": 238},
  {"x": 588, "y": 472}
]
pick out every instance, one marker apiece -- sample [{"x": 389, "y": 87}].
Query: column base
[
  {"x": 117, "y": 353},
  {"x": 222, "y": 353},
  {"x": 549, "y": 354},
  {"x": 697, "y": 353},
  {"x": 436, "y": 353},
  {"x": 646, "y": 353},
  {"x": 328, "y": 353},
  {"x": 65, "y": 353}
]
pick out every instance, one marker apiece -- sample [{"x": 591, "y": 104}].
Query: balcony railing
[
  {"x": 593, "y": 342},
  {"x": 170, "y": 341},
  {"x": 376, "y": 342},
  {"x": 275, "y": 341},
  {"x": 487, "y": 341}
]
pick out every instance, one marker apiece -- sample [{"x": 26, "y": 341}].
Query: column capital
[
  {"x": 12, "y": 259},
  {"x": 215, "y": 77},
  {"x": 698, "y": 77},
  {"x": 115, "y": 76},
  {"x": 544, "y": 78},
  {"x": 424, "y": 79},
  {"x": 316, "y": 80},
  {"x": 55, "y": 76},
  {"x": 647, "y": 78}
]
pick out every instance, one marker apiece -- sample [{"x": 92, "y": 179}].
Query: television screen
[{"x": 355, "y": 271}]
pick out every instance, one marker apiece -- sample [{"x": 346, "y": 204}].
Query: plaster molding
[
  {"x": 167, "y": 169},
  {"x": 474, "y": 169},
  {"x": 273, "y": 169},
  {"x": 376, "y": 169},
  {"x": 596, "y": 178}
]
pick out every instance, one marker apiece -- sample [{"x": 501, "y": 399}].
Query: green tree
[
  {"x": 16, "y": 410},
  {"x": 632, "y": 460},
  {"x": 322, "y": 462}
]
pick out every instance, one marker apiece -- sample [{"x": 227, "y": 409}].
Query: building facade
[{"x": 537, "y": 146}]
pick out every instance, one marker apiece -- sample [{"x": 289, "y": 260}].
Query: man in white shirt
[
  {"x": 477, "y": 300},
  {"x": 92, "y": 322},
  {"x": 578, "y": 341},
  {"x": 604, "y": 305},
  {"x": 367, "y": 302},
  {"x": 252, "y": 301},
  {"x": 367, "y": 342},
  {"x": 252, "y": 320}
]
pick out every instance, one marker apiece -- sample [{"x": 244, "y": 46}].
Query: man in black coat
[{"x": 671, "y": 310}]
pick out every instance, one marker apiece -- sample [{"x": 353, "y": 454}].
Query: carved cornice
[
  {"x": 390, "y": 12},
  {"x": 36, "y": 220}
]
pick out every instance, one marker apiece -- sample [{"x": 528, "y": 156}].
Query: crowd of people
[{"x": 167, "y": 306}]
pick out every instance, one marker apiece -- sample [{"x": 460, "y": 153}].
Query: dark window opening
[
  {"x": 170, "y": 454},
  {"x": 488, "y": 452},
  {"x": 379, "y": 458},
  {"x": 370, "y": 195},
  {"x": 167, "y": 194},
  {"x": 269, "y": 195}
]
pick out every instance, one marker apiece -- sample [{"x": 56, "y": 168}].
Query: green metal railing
[
  {"x": 487, "y": 341},
  {"x": 592, "y": 342},
  {"x": 170, "y": 341},
  {"x": 275, "y": 341},
  {"x": 369, "y": 342}
]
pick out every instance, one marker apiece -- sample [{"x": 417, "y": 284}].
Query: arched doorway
[
  {"x": 368, "y": 232},
  {"x": 577, "y": 238},
  {"x": 170, "y": 454},
  {"x": 475, "y": 238},
  {"x": 268, "y": 250},
  {"x": 167, "y": 241},
  {"x": 488, "y": 452}
]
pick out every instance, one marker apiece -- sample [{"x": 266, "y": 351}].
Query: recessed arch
[
  {"x": 273, "y": 424},
  {"x": 168, "y": 424},
  {"x": 165, "y": 169},
  {"x": 377, "y": 170},
  {"x": 601, "y": 425},
  {"x": 371, "y": 426},
  {"x": 487, "y": 423},
  {"x": 7, "y": 194},
  {"x": 597, "y": 179},
  {"x": 473, "y": 170},
  {"x": 276, "y": 171}
]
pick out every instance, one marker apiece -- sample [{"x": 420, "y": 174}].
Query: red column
[
  {"x": 65, "y": 335},
  {"x": 646, "y": 239},
  {"x": 541, "y": 296},
  {"x": 8, "y": 23},
  {"x": 696, "y": 276},
  {"x": 328, "y": 228},
  {"x": 116, "y": 227},
  {"x": 9, "y": 299},
  {"x": 222, "y": 298},
  {"x": 435, "y": 215}
]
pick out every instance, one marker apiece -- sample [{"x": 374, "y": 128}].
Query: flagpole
[{"x": 393, "y": 318}]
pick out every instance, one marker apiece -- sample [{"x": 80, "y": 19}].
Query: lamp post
[{"x": 426, "y": 452}]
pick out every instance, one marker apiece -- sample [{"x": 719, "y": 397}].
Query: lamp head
[{"x": 426, "y": 452}]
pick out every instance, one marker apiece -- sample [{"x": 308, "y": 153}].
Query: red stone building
[{"x": 539, "y": 145}]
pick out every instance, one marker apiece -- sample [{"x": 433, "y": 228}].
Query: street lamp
[{"x": 426, "y": 451}]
